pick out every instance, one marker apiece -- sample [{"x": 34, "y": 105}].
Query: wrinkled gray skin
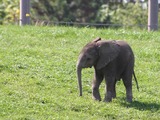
[{"x": 112, "y": 61}]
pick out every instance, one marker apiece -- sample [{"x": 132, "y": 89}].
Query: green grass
[{"x": 38, "y": 75}]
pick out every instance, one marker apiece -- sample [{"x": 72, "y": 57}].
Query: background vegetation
[
  {"x": 109, "y": 12},
  {"x": 38, "y": 75}
]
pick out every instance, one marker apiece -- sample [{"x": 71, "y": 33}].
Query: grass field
[{"x": 38, "y": 75}]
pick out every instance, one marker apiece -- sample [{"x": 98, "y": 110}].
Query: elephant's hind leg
[
  {"x": 110, "y": 89},
  {"x": 127, "y": 80}
]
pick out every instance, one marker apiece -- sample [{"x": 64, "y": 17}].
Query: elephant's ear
[
  {"x": 97, "y": 39},
  {"x": 108, "y": 51}
]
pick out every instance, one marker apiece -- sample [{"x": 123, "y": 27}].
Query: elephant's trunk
[{"x": 79, "y": 69}]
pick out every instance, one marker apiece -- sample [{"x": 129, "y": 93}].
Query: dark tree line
[{"x": 67, "y": 10}]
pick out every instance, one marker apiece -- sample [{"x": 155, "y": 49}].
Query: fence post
[
  {"x": 24, "y": 12},
  {"x": 152, "y": 15}
]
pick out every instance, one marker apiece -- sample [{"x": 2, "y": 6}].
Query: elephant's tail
[{"x": 136, "y": 80}]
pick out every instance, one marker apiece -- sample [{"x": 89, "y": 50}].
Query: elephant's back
[{"x": 125, "y": 47}]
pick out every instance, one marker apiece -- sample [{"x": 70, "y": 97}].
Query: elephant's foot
[
  {"x": 108, "y": 97},
  {"x": 129, "y": 99},
  {"x": 107, "y": 100},
  {"x": 129, "y": 95},
  {"x": 114, "y": 95},
  {"x": 97, "y": 99},
  {"x": 96, "y": 96}
]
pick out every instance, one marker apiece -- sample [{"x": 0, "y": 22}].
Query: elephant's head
[{"x": 97, "y": 53}]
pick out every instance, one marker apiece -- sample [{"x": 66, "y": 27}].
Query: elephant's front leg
[
  {"x": 110, "y": 89},
  {"x": 98, "y": 78}
]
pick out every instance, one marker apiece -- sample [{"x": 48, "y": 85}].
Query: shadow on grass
[{"x": 142, "y": 105}]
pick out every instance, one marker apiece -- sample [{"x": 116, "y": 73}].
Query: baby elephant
[{"x": 112, "y": 60}]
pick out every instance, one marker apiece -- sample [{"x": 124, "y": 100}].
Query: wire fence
[{"x": 86, "y": 24}]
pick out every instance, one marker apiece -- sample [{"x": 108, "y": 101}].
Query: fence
[{"x": 79, "y": 24}]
